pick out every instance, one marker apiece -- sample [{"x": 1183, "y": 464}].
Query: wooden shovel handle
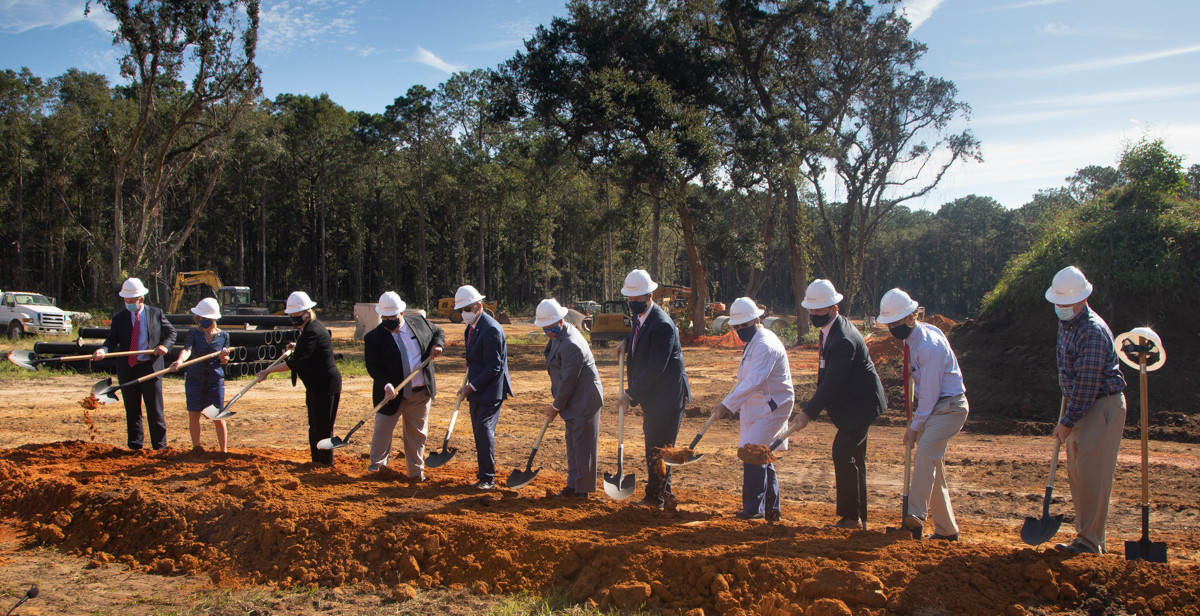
[
  {"x": 185, "y": 364},
  {"x": 82, "y": 357}
]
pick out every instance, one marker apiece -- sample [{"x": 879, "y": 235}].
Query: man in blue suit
[
  {"x": 657, "y": 380},
  {"x": 487, "y": 379}
]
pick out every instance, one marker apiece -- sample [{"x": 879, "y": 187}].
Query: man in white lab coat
[{"x": 765, "y": 398}]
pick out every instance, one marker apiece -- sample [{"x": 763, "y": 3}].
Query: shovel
[
  {"x": 30, "y": 361},
  {"x": 1155, "y": 552},
  {"x": 908, "y": 448},
  {"x": 337, "y": 443},
  {"x": 215, "y": 413},
  {"x": 439, "y": 458},
  {"x": 521, "y": 478},
  {"x": 104, "y": 388},
  {"x": 694, "y": 457},
  {"x": 1036, "y": 532},
  {"x": 620, "y": 486}
]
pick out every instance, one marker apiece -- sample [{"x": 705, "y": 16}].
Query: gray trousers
[
  {"x": 1092, "y": 449},
  {"x": 415, "y": 413},
  {"x": 582, "y": 438}
]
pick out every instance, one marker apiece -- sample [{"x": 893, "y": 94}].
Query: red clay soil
[
  {"x": 678, "y": 455},
  {"x": 755, "y": 454},
  {"x": 263, "y": 518},
  {"x": 885, "y": 346}
]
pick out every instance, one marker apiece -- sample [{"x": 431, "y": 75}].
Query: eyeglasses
[{"x": 745, "y": 325}]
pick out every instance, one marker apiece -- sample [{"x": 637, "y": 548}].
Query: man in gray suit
[{"x": 578, "y": 396}]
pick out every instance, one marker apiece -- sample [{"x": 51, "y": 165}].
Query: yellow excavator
[
  {"x": 233, "y": 300},
  {"x": 446, "y": 310}
]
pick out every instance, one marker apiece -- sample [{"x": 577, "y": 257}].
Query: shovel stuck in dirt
[
  {"x": 214, "y": 413},
  {"x": 337, "y": 443},
  {"x": 30, "y": 361},
  {"x": 690, "y": 454},
  {"x": 105, "y": 391},
  {"x": 908, "y": 449},
  {"x": 620, "y": 486},
  {"x": 1036, "y": 532},
  {"x": 1148, "y": 346},
  {"x": 439, "y": 458},
  {"x": 521, "y": 478}
]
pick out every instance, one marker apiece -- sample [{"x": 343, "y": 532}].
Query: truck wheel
[
  {"x": 455, "y": 316},
  {"x": 15, "y": 331}
]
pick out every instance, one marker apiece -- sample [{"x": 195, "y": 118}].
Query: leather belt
[{"x": 419, "y": 388}]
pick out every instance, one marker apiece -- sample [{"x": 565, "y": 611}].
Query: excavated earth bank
[{"x": 261, "y": 517}]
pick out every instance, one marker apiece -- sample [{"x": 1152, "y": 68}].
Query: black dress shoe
[
  {"x": 581, "y": 495},
  {"x": 772, "y": 516},
  {"x": 748, "y": 515},
  {"x": 938, "y": 537},
  {"x": 567, "y": 491},
  {"x": 484, "y": 484},
  {"x": 849, "y": 523},
  {"x": 651, "y": 501}
]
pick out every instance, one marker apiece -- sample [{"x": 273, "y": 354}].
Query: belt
[{"x": 419, "y": 388}]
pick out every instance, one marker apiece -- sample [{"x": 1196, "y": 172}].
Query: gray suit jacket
[{"x": 574, "y": 381}]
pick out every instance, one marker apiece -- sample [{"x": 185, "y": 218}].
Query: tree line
[{"x": 697, "y": 139}]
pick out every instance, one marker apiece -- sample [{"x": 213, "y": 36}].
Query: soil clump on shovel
[
  {"x": 756, "y": 454},
  {"x": 678, "y": 455}
]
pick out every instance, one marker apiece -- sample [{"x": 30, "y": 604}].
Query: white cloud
[
  {"x": 17, "y": 16},
  {"x": 1116, "y": 97},
  {"x": 426, "y": 57},
  {"x": 1021, "y": 5},
  {"x": 293, "y": 23},
  {"x": 917, "y": 11},
  {"x": 1060, "y": 29},
  {"x": 1105, "y": 63}
]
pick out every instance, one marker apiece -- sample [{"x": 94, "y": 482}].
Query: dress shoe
[
  {"x": 417, "y": 479},
  {"x": 913, "y": 523},
  {"x": 651, "y": 501},
  {"x": 848, "y": 523},
  {"x": 1075, "y": 547},
  {"x": 938, "y": 537},
  {"x": 748, "y": 515},
  {"x": 567, "y": 491},
  {"x": 772, "y": 516},
  {"x": 485, "y": 484},
  {"x": 582, "y": 495}
]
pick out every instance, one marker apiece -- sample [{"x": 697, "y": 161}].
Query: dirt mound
[
  {"x": 260, "y": 518},
  {"x": 884, "y": 346},
  {"x": 728, "y": 340}
]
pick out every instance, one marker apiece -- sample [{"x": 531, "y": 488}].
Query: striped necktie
[{"x": 133, "y": 338}]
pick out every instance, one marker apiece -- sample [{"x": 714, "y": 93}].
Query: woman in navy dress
[{"x": 205, "y": 381}]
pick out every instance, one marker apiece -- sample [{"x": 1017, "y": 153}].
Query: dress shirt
[
  {"x": 407, "y": 343},
  {"x": 143, "y": 333},
  {"x": 1087, "y": 363},
  {"x": 935, "y": 369}
]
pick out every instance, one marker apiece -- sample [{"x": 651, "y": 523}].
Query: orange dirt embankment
[
  {"x": 885, "y": 346},
  {"x": 264, "y": 518}
]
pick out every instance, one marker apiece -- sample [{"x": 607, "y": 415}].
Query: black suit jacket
[
  {"x": 848, "y": 386},
  {"x": 314, "y": 362},
  {"x": 385, "y": 364},
  {"x": 158, "y": 331},
  {"x": 657, "y": 379},
  {"x": 487, "y": 362}
]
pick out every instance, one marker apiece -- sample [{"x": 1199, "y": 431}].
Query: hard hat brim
[
  {"x": 204, "y": 315},
  {"x": 758, "y": 312},
  {"x": 476, "y": 300},
  {"x": 548, "y": 322},
  {"x": 134, "y": 294},
  {"x": 837, "y": 299},
  {"x": 390, "y": 312},
  {"x": 911, "y": 308},
  {"x": 627, "y": 292},
  {"x": 300, "y": 309},
  {"x": 1063, "y": 300}
]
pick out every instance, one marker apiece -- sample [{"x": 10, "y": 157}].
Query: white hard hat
[
  {"x": 208, "y": 308},
  {"x": 895, "y": 306},
  {"x": 1070, "y": 286},
  {"x": 1134, "y": 337},
  {"x": 465, "y": 296},
  {"x": 743, "y": 310},
  {"x": 548, "y": 313},
  {"x": 298, "y": 301},
  {"x": 638, "y": 283},
  {"x": 821, "y": 294},
  {"x": 132, "y": 288},
  {"x": 390, "y": 304}
]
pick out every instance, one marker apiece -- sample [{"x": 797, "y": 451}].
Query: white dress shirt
[
  {"x": 407, "y": 342},
  {"x": 934, "y": 367}
]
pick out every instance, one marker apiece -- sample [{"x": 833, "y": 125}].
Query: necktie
[
  {"x": 470, "y": 330},
  {"x": 133, "y": 338},
  {"x": 637, "y": 327},
  {"x": 820, "y": 345}
]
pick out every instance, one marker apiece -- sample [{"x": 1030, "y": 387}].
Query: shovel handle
[
  {"x": 168, "y": 369},
  {"x": 1145, "y": 395},
  {"x": 700, "y": 434},
  {"x": 536, "y": 444},
  {"x": 255, "y": 381},
  {"x": 620, "y": 407},
  {"x": 1054, "y": 458},
  {"x": 453, "y": 416},
  {"x": 83, "y": 357}
]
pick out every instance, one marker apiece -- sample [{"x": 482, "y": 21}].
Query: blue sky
[{"x": 1054, "y": 84}]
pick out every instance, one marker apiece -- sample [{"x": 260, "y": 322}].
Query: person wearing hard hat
[
  {"x": 657, "y": 380},
  {"x": 313, "y": 362},
  {"x": 765, "y": 398},
  {"x": 1094, "y": 418},
  {"x": 940, "y": 413},
  {"x": 204, "y": 382},
  {"x": 578, "y": 395},
  {"x": 487, "y": 379},
  {"x": 397, "y": 345},
  {"x": 849, "y": 388},
  {"x": 139, "y": 327}
]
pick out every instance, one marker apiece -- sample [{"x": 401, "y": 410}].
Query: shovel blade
[
  {"x": 23, "y": 358},
  {"x": 1144, "y": 549},
  {"x": 332, "y": 443},
  {"x": 521, "y": 478},
  {"x": 690, "y": 459},
  {"x": 439, "y": 458},
  {"x": 619, "y": 487},
  {"x": 1037, "y": 531},
  {"x": 214, "y": 413}
]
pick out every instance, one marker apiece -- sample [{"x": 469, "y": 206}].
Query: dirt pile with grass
[{"x": 261, "y": 518}]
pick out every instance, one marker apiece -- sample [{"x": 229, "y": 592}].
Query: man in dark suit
[
  {"x": 487, "y": 379},
  {"x": 578, "y": 395},
  {"x": 657, "y": 380},
  {"x": 140, "y": 327},
  {"x": 849, "y": 388},
  {"x": 391, "y": 351}
]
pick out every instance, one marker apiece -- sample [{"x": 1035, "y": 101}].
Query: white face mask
[
  {"x": 469, "y": 318},
  {"x": 1065, "y": 313}
]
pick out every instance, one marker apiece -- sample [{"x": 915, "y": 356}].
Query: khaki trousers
[
  {"x": 1092, "y": 449},
  {"x": 928, "y": 495},
  {"x": 415, "y": 413}
]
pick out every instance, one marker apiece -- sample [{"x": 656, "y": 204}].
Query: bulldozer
[
  {"x": 233, "y": 300},
  {"x": 445, "y": 309}
]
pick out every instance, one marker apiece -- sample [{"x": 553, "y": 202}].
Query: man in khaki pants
[
  {"x": 1094, "y": 419},
  {"x": 940, "y": 414}
]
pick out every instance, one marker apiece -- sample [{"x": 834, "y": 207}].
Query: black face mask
[
  {"x": 819, "y": 320},
  {"x": 746, "y": 333},
  {"x": 391, "y": 324},
  {"x": 901, "y": 331},
  {"x": 637, "y": 308},
  {"x": 297, "y": 319}
]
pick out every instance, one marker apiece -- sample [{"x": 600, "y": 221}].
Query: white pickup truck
[{"x": 31, "y": 313}]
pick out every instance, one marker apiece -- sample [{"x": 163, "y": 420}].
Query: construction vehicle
[
  {"x": 233, "y": 300},
  {"x": 30, "y": 313},
  {"x": 611, "y": 322},
  {"x": 446, "y": 310}
]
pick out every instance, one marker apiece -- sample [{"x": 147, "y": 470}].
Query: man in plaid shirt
[{"x": 1094, "y": 419}]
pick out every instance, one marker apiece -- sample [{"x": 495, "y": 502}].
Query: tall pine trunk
[{"x": 799, "y": 257}]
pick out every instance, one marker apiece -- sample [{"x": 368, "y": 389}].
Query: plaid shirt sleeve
[{"x": 1085, "y": 369}]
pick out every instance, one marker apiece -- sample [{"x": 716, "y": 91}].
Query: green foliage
[{"x": 1153, "y": 176}]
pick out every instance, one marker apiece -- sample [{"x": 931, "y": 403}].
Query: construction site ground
[{"x": 259, "y": 530}]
